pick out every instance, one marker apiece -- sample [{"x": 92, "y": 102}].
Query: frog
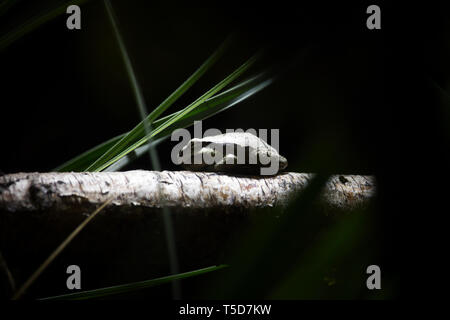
[{"x": 232, "y": 152}]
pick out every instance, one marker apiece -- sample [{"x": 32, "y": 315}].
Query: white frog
[{"x": 235, "y": 152}]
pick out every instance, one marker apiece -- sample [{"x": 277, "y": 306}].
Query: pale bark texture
[{"x": 180, "y": 190}]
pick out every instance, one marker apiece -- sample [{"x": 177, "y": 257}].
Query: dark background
[
  {"x": 359, "y": 101},
  {"x": 71, "y": 92}
]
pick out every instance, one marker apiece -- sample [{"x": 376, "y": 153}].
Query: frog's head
[{"x": 271, "y": 162}]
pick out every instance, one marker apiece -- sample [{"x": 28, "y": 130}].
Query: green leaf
[
  {"x": 129, "y": 158},
  {"x": 135, "y": 133},
  {"x": 207, "y": 109},
  {"x": 210, "y": 107},
  {"x": 109, "y": 291},
  {"x": 179, "y": 116}
]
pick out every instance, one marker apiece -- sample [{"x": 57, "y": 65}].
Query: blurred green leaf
[
  {"x": 34, "y": 23},
  {"x": 305, "y": 251},
  {"x": 272, "y": 246},
  {"x": 333, "y": 266}
]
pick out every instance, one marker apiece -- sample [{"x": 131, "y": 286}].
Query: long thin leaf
[
  {"x": 137, "y": 131},
  {"x": 58, "y": 251},
  {"x": 109, "y": 291},
  {"x": 210, "y": 107},
  {"x": 142, "y": 107},
  {"x": 129, "y": 158},
  {"x": 134, "y": 83},
  {"x": 183, "y": 113},
  {"x": 218, "y": 104}
]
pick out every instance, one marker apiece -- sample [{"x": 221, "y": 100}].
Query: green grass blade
[
  {"x": 207, "y": 95},
  {"x": 135, "y": 133},
  {"x": 137, "y": 92},
  {"x": 109, "y": 291},
  {"x": 138, "y": 95},
  {"x": 219, "y": 103},
  {"x": 34, "y": 23},
  {"x": 142, "y": 106},
  {"x": 235, "y": 74},
  {"x": 210, "y": 107},
  {"x": 129, "y": 158},
  {"x": 190, "y": 81}
]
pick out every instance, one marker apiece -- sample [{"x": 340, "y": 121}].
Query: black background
[
  {"x": 70, "y": 89},
  {"x": 361, "y": 101}
]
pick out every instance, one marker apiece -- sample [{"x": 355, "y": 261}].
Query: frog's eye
[{"x": 213, "y": 153}]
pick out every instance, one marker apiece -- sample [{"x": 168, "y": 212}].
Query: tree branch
[{"x": 182, "y": 190}]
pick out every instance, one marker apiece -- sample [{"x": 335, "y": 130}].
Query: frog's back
[{"x": 239, "y": 138}]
